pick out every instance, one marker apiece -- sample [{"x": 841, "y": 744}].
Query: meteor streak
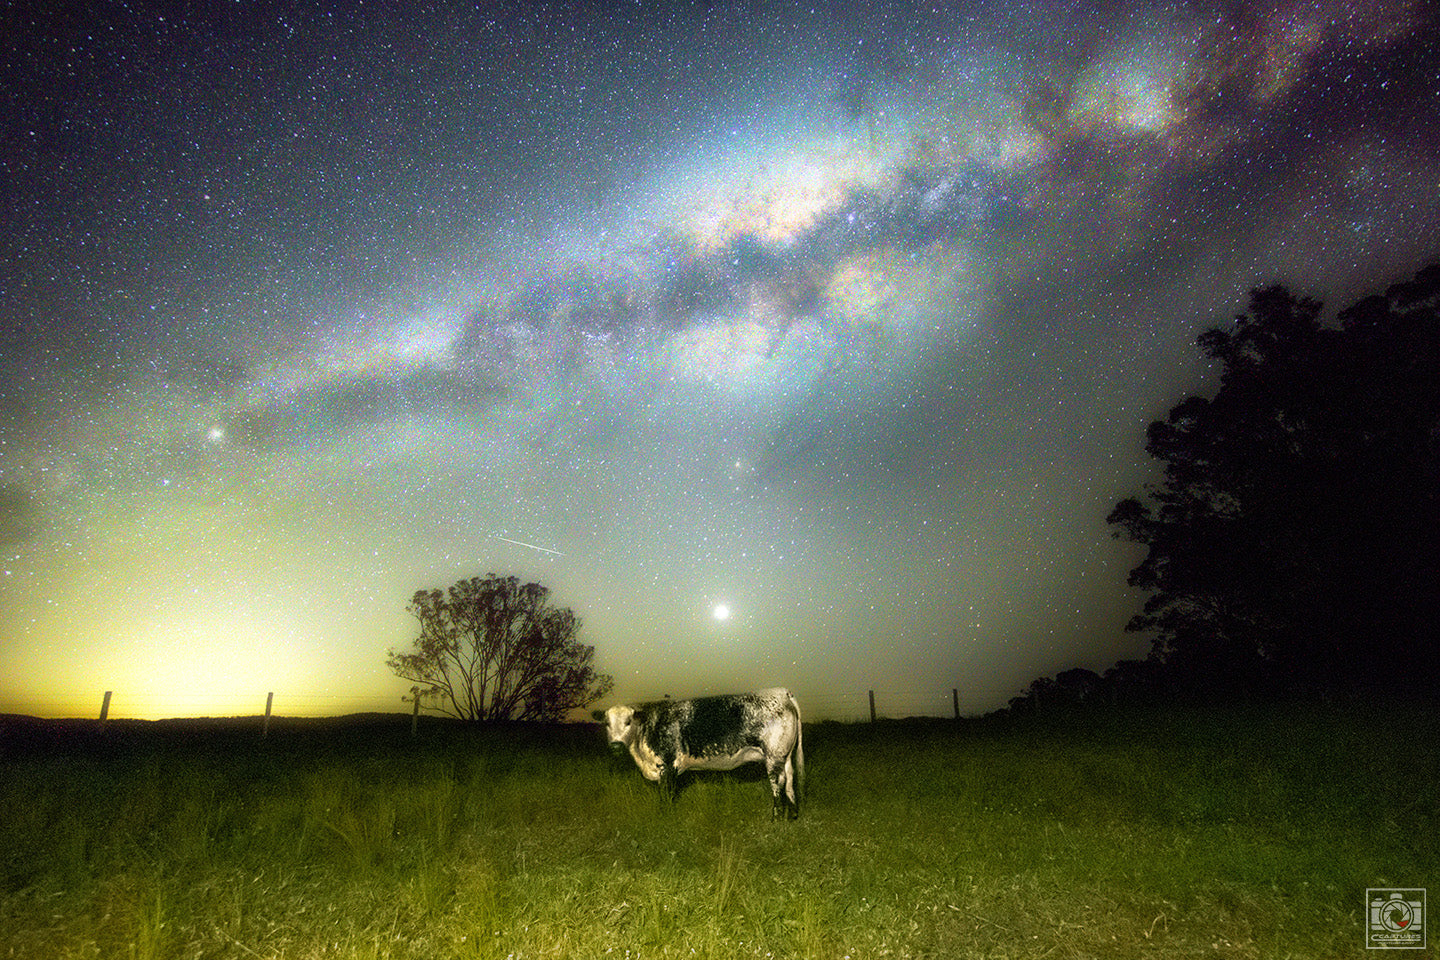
[{"x": 522, "y": 543}]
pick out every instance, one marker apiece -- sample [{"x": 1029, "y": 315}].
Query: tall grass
[{"x": 1240, "y": 832}]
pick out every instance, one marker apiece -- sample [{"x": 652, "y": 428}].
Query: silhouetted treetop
[{"x": 1296, "y": 531}]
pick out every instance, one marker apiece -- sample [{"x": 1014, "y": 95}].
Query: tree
[
  {"x": 492, "y": 649},
  {"x": 1295, "y": 534}
]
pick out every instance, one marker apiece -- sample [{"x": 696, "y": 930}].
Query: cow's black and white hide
[{"x": 668, "y": 737}]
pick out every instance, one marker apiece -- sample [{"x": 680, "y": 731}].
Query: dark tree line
[{"x": 1294, "y": 538}]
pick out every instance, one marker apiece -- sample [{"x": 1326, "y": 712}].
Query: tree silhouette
[
  {"x": 492, "y": 649},
  {"x": 1296, "y": 532}
]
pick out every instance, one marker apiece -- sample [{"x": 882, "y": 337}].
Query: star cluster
[{"x": 802, "y": 344}]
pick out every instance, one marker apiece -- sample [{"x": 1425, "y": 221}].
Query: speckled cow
[{"x": 668, "y": 737}]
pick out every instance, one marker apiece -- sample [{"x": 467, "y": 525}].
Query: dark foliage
[
  {"x": 1295, "y": 537},
  {"x": 492, "y": 649}
]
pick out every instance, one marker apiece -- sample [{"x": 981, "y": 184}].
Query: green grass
[{"x": 1242, "y": 832}]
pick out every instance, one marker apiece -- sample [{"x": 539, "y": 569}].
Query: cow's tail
[{"x": 799, "y": 750}]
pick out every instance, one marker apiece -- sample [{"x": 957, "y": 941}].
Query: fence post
[
  {"x": 414, "y": 712},
  {"x": 955, "y": 699},
  {"x": 872, "y": 706},
  {"x": 105, "y": 708},
  {"x": 269, "y": 699}
]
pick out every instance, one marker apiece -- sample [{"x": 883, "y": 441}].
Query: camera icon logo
[{"x": 1395, "y": 919}]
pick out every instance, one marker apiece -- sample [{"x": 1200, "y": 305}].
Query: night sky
[{"x": 787, "y": 344}]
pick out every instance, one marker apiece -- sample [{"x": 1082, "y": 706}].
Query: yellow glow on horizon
[
  {"x": 210, "y": 660},
  {"x": 203, "y": 666}
]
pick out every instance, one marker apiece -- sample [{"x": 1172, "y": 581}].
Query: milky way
[{"x": 843, "y": 320}]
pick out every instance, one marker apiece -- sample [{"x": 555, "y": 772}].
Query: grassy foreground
[{"x": 1247, "y": 832}]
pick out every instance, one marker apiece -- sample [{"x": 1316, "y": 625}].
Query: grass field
[{"x": 1243, "y": 832}]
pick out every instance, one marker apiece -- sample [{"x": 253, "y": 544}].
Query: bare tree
[{"x": 493, "y": 649}]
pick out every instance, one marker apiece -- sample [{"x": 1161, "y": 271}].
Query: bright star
[{"x": 721, "y": 612}]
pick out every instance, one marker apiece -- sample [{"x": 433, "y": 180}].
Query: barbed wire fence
[
  {"x": 123, "y": 705},
  {"x": 871, "y": 704}
]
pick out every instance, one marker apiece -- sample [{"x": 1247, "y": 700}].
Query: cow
[{"x": 668, "y": 737}]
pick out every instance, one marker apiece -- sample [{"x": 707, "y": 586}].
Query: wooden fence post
[
  {"x": 415, "y": 712},
  {"x": 105, "y": 708},
  {"x": 269, "y": 700},
  {"x": 872, "y": 706},
  {"x": 955, "y": 699}
]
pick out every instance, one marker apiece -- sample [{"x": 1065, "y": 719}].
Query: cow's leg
[
  {"x": 782, "y": 788},
  {"x": 781, "y": 807},
  {"x": 668, "y": 779}
]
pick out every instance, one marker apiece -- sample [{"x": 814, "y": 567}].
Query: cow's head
[{"x": 620, "y": 727}]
